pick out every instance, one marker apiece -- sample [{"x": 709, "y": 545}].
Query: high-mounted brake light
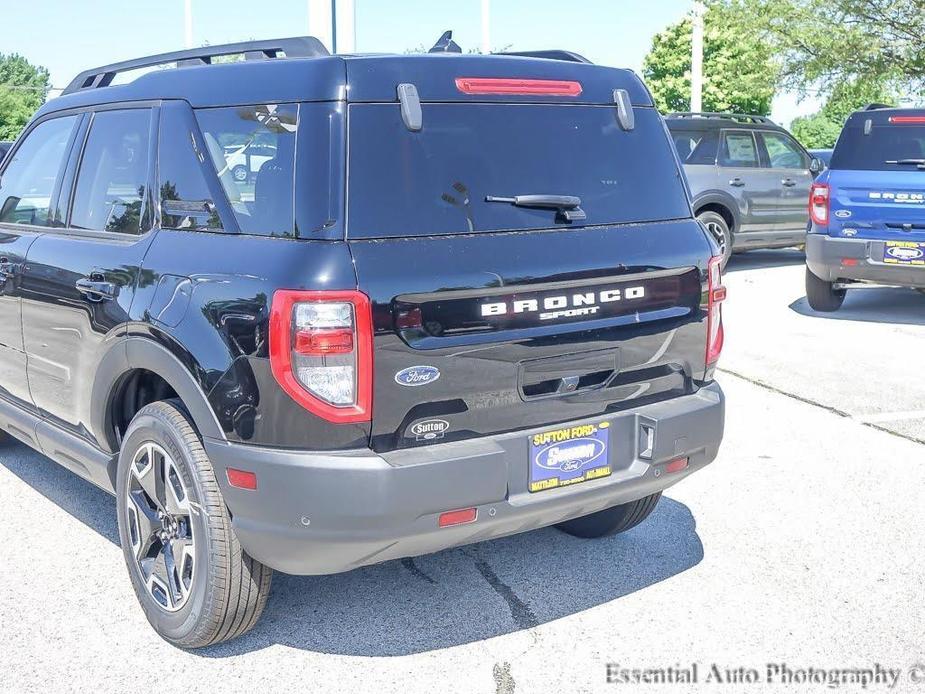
[
  {"x": 907, "y": 120},
  {"x": 321, "y": 352},
  {"x": 525, "y": 87},
  {"x": 716, "y": 294},
  {"x": 819, "y": 204}
]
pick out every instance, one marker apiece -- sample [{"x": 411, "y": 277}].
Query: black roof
[{"x": 353, "y": 78}]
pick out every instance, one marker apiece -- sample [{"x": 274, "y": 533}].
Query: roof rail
[
  {"x": 876, "y": 107},
  {"x": 555, "y": 54},
  {"x": 297, "y": 47},
  {"x": 739, "y": 117}
]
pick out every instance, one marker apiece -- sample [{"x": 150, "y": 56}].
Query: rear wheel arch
[
  {"x": 721, "y": 209},
  {"x": 141, "y": 371}
]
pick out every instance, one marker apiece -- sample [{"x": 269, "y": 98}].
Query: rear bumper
[
  {"x": 825, "y": 258},
  {"x": 319, "y": 513}
]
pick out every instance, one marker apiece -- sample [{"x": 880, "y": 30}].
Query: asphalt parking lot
[{"x": 801, "y": 545}]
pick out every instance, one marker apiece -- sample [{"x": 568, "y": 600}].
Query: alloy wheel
[
  {"x": 720, "y": 235},
  {"x": 160, "y": 527}
]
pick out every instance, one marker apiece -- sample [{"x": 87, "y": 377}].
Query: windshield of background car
[
  {"x": 887, "y": 142},
  {"x": 435, "y": 181}
]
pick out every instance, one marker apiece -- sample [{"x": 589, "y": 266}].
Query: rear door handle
[
  {"x": 96, "y": 290},
  {"x": 788, "y": 183},
  {"x": 737, "y": 182}
]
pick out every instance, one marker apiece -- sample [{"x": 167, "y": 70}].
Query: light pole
[
  {"x": 486, "y": 26},
  {"x": 697, "y": 57},
  {"x": 333, "y": 22},
  {"x": 188, "y": 23}
]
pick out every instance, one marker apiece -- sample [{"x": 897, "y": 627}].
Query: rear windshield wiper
[
  {"x": 567, "y": 206},
  {"x": 910, "y": 162}
]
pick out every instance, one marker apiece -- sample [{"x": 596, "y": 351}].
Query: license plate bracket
[{"x": 569, "y": 455}]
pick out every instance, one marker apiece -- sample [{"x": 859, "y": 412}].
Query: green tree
[
  {"x": 739, "y": 73},
  {"x": 822, "y": 129},
  {"x": 821, "y": 44},
  {"x": 23, "y": 88}
]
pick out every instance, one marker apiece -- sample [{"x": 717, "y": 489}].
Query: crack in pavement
[
  {"x": 816, "y": 403},
  {"x": 504, "y": 681},
  {"x": 409, "y": 564},
  {"x": 520, "y": 612}
]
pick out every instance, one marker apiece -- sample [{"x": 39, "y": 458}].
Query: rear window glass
[
  {"x": 253, "y": 151},
  {"x": 886, "y": 143},
  {"x": 435, "y": 181},
  {"x": 696, "y": 147}
]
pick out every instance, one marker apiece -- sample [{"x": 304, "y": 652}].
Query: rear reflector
[
  {"x": 494, "y": 85},
  {"x": 907, "y": 120},
  {"x": 460, "y": 517},
  {"x": 849, "y": 262},
  {"x": 242, "y": 479},
  {"x": 676, "y": 465}
]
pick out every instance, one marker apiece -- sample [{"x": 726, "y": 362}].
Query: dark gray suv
[{"x": 749, "y": 178}]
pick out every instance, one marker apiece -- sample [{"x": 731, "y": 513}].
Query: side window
[
  {"x": 696, "y": 147},
  {"x": 29, "y": 180},
  {"x": 253, "y": 151},
  {"x": 186, "y": 202},
  {"x": 738, "y": 149},
  {"x": 113, "y": 177},
  {"x": 783, "y": 152}
]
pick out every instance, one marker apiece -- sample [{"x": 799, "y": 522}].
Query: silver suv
[{"x": 749, "y": 178}]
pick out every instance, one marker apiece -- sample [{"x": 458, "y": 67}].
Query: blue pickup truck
[{"x": 868, "y": 208}]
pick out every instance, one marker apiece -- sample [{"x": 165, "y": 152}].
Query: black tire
[
  {"x": 822, "y": 295},
  {"x": 225, "y": 591},
  {"x": 718, "y": 228},
  {"x": 613, "y": 520}
]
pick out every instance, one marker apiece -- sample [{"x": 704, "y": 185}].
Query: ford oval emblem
[
  {"x": 417, "y": 376},
  {"x": 570, "y": 455},
  {"x": 843, "y": 214},
  {"x": 901, "y": 253}
]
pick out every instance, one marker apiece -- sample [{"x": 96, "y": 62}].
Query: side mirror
[{"x": 816, "y": 166}]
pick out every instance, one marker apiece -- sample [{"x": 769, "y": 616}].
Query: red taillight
[
  {"x": 460, "y": 517},
  {"x": 907, "y": 120},
  {"x": 324, "y": 341},
  {"x": 495, "y": 85},
  {"x": 819, "y": 204},
  {"x": 321, "y": 352},
  {"x": 242, "y": 479},
  {"x": 716, "y": 294}
]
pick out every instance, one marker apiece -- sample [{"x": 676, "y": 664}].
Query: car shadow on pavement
[
  {"x": 436, "y": 601},
  {"x": 873, "y": 305},
  {"x": 767, "y": 258}
]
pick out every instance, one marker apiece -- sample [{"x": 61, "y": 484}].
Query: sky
[{"x": 67, "y": 36}]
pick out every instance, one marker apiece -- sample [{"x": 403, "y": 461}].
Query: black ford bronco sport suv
[{"x": 461, "y": 297}]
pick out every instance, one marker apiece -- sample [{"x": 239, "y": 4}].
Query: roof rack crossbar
[
  {"x": 554, "y": 54},
  {"x": 876, "y": 107},
  {"x": 742, "y": 117},
  {"x": 297, "y": 47}
]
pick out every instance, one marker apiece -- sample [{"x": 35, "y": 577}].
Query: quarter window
[
  {"x": 738, "y": 150},
  {"x": 253, "y": 151},
  {"x": 28, "y": 182},
  {"x": 112, "y": 181}
]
